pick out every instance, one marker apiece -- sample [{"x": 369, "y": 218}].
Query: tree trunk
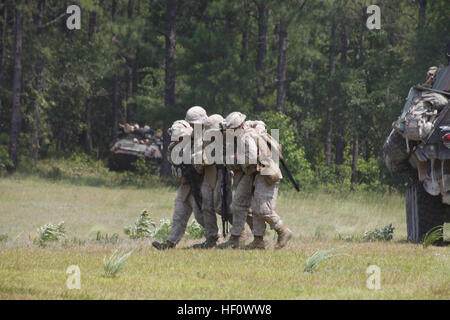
[
  {"x": 115, "y": 91},
  {"x": 281, "y": 67},
  {"x": 420, "y": 51},
  {"x": 4, "y": 29},
  {"x": 113, "y": 10},
  {"x": 36, "y": 121},
  {"x": 135, "y": 71},
  {"x": 422, "y": 14},
  {"x": 244, "y": 41},
  {"x": 130, "y": 69},
  {"x": 37, "y": 68},
  {"x": 129, "y": 66},
  {"x": 92, "y": 24},
  {"x": 130, "y": 9},
  {"x": 332, "y": 55},
  {"x": 339, "y": 142},
  {"x": 88, "y": 142},
  {"x": 169, "y": 80},
  {"x": 115, "y": 97},
  {"x": 17, "y": 89},
  {"x": 263, "y": 12},
  {"x": 344, "y": 46},
  {"x": 88, "y": 110},
  {"x": 354, "y": 178},
  {"x": 332, "y": 70}
]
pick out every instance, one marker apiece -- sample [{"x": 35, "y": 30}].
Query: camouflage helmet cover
[
  {"x": 213, "y": 122},
  {"x": 180, "y": 128},
  {"x": 196, "y": 115},
  {"x": 234, "y": 120}
]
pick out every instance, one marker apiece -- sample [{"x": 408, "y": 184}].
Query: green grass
[
  {"x": 115, "y": 263},
  {"x": 27, "y": 271},
  {"x": 433, "y": 235},
  {"x": 313, "y": 262}
]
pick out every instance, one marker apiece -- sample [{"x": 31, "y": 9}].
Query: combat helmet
[
  {"x": 180, "y": 128},
  {"x": 213, "y": 122},
  {"x": 234, "y": 120},
  {"x": 196, "y": 115}
]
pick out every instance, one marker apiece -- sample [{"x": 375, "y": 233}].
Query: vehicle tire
[
  {"x": 423, "y": 211},
  {"x": 394, "y": 153}
]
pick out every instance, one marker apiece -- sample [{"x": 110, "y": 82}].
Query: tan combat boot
[
  {"x": 284, "y": 235},
  {"x": 233, "y": 242},
  {"x": 257, "y": 243},
  {"x": 245, "y": 234},
  {"x": 164, "y": 245}
]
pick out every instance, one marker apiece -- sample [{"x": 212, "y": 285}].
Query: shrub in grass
[
  {"x": 51, "y": 233},
  {"x": 141, "y": 228},
  {"x": 115, "y": 263},
  {"x": 348, "y": 237},
  {"x": 318, "y": 257},
  {"x": 3, "y": 237},
  {"x": 163, "y": 230},
  {"x": 433, "y": 235},
  {"x": 78, "y": 241},
  {"x": 100, "y": 237},
  {"x": 194, "y": 230},
  {"x": 384, "y": 234},
  {"x": 5, "y": 161},
  {"x": 145, "y": 227}
]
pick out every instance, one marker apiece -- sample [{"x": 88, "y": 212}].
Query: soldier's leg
[
  {"x": 263, "y": 208},
  {"x": 209, "y": 217},
  {"x": 181, "y": 214},
  {"x": 239, "y": 209},
  {"x": 198, "y": 214}
]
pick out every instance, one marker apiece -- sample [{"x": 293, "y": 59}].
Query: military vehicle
[
  {"x": 419, "y": 146},
  {"x": 132, "y": 143}
]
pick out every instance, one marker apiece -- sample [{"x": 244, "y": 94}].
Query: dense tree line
[{"x": 311, "y": 63}]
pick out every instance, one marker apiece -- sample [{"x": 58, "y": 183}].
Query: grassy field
[{"x": 27, "y": 271}]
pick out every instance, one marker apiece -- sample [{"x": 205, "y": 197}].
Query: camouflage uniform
[
  {"x": 211, "y": 188},
  {"x": 212, "y": 203},
  {"x": 263, "y": 198},
  {"x": 184, "y": 201},
  {"x": 243, "y": 181},
  {"x": 265, "y": 194}
]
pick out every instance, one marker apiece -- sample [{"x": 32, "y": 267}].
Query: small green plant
[
  {"x": 384, "y": 234},
  {"x": 347, "y": 237},
  {"x": 115, "y": 263},
  {"x": 106, "y": 238},
  {"x": 320, "y": 232},
  {"x": 50, "y": 232},
  {"x": 163, "y": 230},
  {"x": 318, "y": 257},
  {"x": 194, "y": 230},
  {"x": 3, "y": 237},
  {"x": 78, "y": 241},
  {"x": 433, "y": 235},
  {"x": 5, "y": 161},
  {"x": 141, "y": 228}
]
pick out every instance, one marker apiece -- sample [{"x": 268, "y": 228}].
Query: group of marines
[{"x": 256, "y": 183}]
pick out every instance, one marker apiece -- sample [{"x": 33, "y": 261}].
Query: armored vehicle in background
[{"x": 132, "y": 143}]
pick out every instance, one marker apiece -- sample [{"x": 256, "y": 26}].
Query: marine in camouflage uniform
[
  {"x": 264, "y": 176},
  {"x": 211, "y": 188},
  {"x": 184, "y": 201}
]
